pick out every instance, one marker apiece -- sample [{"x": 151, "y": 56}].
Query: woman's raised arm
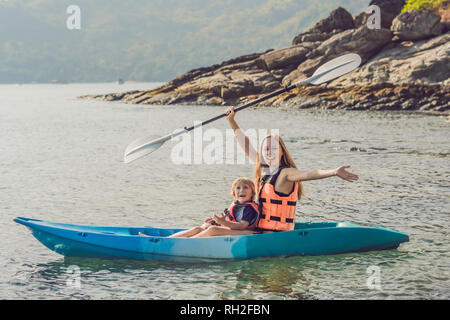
[
  {"x": 240, "y": 136},
  {"x": 292, "y": 174}
]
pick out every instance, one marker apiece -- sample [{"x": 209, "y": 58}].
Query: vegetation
[
  {"x": 145, "y": 40},
  {"x": 431, "y": 5}
]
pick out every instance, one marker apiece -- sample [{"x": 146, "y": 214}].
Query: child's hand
[
  {"x": 219, "y": 219},
  {"x": 208, "y": 220},
  {"x": 343, "y": 174}
]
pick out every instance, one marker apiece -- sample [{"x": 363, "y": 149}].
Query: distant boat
[
  {"x": 120, "y": 81},
  {"x": 59, "y": 82}
]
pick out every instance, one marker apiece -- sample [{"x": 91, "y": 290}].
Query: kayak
[{"x": 308, "y": 238}]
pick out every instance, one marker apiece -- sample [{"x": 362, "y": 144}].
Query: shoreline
[
  {"x": 287, "y": 107},
  {"x": 405, "y": 67}
]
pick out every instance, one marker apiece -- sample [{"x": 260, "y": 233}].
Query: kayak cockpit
[
  {"x": 119, "y": 231},
  {"x": 153, "y": 232},
  {"x": 315, "y": 225}
]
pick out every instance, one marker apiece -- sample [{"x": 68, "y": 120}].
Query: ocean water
[{"x": 61, "y": 159}]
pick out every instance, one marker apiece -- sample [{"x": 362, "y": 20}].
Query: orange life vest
[
  {"x": 277, "y": 209},
  {"x": 230, "y": 216}
]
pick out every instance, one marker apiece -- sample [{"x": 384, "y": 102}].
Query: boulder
[
  {"x": 416, "y": 25},
  {"x": 314, "y": 36},
  {"x": 423, "y": 62},
  {"x": 389, "y": 9},
  {"x": 226, "y": 83},
  {"x": 363, "y": 41},
  {"x": 200, "y": 72},
  {"x": 289, "y": 57},
  {"x": 338, "y": 20}
]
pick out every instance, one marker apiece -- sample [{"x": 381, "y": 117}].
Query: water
[{"x": 61, "y": 160}]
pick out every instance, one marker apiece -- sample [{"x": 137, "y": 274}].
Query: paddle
[{"x": 328, "y": 71}]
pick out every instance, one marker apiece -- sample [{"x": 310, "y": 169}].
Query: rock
[
  {"x": 426, "y": 61},
  {"x": 394, "y": 75},
  {"x": 224, "y": 83},
  {"x": 389, "y": 9},
  {"x": 445, "y": 18},
  {"x": 370, "y": 97},
  {"x": 289, "y": 57},
  {"x": 416, "y": 25},
  {"x": 363, "y": 41},
  {"x": 313, "y": 36},
  {"x": 338, "y": 20},
  {"x": 361, "y": 19},
  {"x": 188, "y": 76},
  {"x": 409, "y": 104}
]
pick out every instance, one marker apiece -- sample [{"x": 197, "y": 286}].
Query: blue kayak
[{"x": 317, "y": 238}]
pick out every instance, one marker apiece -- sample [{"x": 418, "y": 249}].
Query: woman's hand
[
  {"x": 230, "y": 113},
  {"x": 240, "y": 136},
  {"x": 344, "y": 174}
]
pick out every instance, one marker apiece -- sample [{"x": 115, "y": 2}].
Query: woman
[{"x": 277, "y": 179}]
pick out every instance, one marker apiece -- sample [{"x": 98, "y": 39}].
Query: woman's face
[
  {"x": 271, "y": 152},
  {"x": 243, "y": 193}
]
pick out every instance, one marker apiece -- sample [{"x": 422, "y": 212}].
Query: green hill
[{"x": 145, "y": 40}]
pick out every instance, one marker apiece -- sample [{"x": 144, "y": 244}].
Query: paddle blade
[
  {"x": 336, "y": 68},
  {"x": 142, "y": 147}
]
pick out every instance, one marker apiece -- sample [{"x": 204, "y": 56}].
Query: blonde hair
[
  {"x": 246, "y": 181},
  {"x": 285, "y": 161}
]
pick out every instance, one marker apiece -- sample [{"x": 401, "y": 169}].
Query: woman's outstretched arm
[
  {"x": 292, "y": 174},
  {"x": 240, "y": 136}
]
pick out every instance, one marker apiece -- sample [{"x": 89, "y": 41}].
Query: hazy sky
[{"x": 81, "y": 40}]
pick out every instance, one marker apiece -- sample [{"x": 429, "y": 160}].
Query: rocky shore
[{"x": 405, "y": 66}]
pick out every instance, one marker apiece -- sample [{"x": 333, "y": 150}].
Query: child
[{"x": 239, "y": 219}]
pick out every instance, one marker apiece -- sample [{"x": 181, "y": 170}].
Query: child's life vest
[
  {"x": 277, "y": 210},
  {"x": 233, "y": 210}
]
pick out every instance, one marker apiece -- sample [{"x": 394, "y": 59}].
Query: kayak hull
[{"x": 318, "y": 238}]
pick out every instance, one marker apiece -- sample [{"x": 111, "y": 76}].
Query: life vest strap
[
  {"x": 228, "y": 214},
  {"x": 289, "y": 203},
  {"x": 274, "y": 218}
]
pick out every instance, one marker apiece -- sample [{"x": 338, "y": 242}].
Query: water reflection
[
  {"x": 277, "y": 278},
  {"x": 401, "y": 159},
  {"x": 286, "y": 277}
]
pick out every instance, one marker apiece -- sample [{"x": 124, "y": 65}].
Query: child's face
[{"x": 243, "y": 193}]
